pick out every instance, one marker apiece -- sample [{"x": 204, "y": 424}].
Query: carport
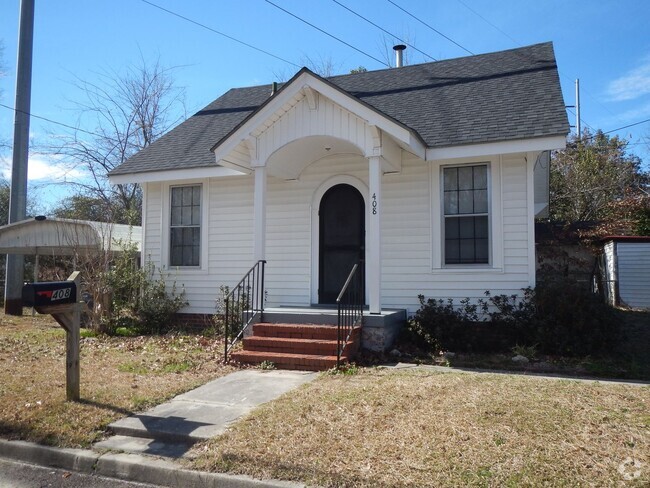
[{"x": 65, "y": 237}]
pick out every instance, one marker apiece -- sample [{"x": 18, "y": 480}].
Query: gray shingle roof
[{"x": 493, "y": 97}]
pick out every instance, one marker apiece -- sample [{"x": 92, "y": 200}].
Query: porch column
[
  {"x": 373, "y": 252},
  {"x": 259, "y": 214}
]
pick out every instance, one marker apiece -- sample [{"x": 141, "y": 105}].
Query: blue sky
[{"x": 604, "y": 43}]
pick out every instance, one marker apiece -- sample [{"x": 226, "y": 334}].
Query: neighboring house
[
  {"x": 433, "y": 173},
  {"x": 625, "y": 271}
]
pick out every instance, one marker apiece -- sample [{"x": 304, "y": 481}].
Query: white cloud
[
  {"x": 43, "y": 168},
  {"x": 632, "y": 85}
]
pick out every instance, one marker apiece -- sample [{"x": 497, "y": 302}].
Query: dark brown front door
[{"x": 342, "y": 235}]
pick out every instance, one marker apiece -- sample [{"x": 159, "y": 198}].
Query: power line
[
  {"x": 593, "y": 98},
  {"x": 626, "y": 126},
  {"x": 382, "y": 29},
  {"x": 617, "y": 129},
  {"x": 581, "y": 119},
  {"x": 220, "y": 33},
  {"x": 432, "y": 28},
  {"x": 326, "y": 33},
  {"x": 487, "y": 21},
  {"x": 50, "y": 120}
]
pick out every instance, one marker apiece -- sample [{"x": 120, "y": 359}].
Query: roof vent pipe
[
  {"x": 274, "y": 88},
  {"x": 399, "y": 58}
]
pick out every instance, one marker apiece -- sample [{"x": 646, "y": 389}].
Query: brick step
[
  {"x": 291, "y": 345},
  {"x": 283, "y": 360},
  {"x": 299, "y": 331}
]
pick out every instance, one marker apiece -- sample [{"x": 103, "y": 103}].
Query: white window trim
[
  {"x": 495, "y": 250},
  {"x": 166, "y": 226}
]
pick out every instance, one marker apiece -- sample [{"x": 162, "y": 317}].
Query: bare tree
[{"x": 120, "y": 115}]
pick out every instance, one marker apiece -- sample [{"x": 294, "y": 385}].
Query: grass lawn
[
  {"x": 420, "y": 428},
  {"x": 119, "y": 376}
]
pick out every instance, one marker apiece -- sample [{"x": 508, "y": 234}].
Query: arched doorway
[{"x": 341, "y": 239}]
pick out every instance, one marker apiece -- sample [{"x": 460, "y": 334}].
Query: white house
[{"x": 431, "y": 173}]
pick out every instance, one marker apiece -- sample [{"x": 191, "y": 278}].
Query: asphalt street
[{"x": 20, "y": 475}]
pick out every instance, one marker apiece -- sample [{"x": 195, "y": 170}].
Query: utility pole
[
  {"x": 578, "y": 131},
  {"x": 18, "y": 199}
]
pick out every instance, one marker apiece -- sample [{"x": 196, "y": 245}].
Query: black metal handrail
[
  {"x": 242, "y": 304},
  {"x": 350, "y": 309}
]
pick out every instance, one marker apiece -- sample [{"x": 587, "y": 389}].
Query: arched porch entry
[{"x": 341, "y": 243}]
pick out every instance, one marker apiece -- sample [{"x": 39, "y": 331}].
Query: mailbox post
[{"x": 60, "y": 299}]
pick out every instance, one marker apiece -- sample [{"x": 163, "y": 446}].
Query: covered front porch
[{"x": 318, "y": 159}]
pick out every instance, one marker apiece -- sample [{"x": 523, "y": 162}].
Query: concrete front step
[{"x": 284, "y": 360}]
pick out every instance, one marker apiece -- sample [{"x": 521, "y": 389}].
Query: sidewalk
[{"x": 169, "y": 430}]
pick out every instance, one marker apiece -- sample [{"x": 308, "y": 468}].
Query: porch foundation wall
[{"x": 380, "y": 331}]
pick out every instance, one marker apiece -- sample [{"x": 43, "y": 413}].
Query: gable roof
[{"x": 494, "y": 97}]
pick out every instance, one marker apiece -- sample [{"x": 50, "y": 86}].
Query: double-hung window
[
  {"x": 466, "y": 212},
  {"x": 185, "y": 226}
]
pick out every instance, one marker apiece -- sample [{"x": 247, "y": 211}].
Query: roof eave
[{"x": 542, "y": 143}]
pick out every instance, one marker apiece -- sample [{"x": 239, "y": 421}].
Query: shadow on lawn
[{"x": 106, "y": 406}]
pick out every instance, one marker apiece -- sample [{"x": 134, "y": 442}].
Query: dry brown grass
[
  {"x": 118, "y": 376},
  {"x": 418, "y": 428}
]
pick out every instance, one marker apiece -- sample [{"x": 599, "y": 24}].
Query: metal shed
[{"x": 625, "y": 267}]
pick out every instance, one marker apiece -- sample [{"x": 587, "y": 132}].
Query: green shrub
[
  {"x": 140, "y": 301},
  {"x": 555, "y": 318}
]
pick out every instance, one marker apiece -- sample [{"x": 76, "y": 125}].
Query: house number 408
[{"x": 374, "y": 204}]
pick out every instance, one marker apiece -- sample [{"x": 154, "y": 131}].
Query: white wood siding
[
  {"x": 410, "y": 226},
  {"x": 634, "y": 273}
]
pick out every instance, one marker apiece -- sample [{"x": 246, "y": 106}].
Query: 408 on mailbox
[{"x": 49, "y": 293}]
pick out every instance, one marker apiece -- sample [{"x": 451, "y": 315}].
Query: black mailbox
[{"x": 49, "y": 293}]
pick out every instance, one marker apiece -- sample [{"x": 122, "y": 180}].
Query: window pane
[
  {"x": 466, "y": 225},
  {"x": 187, "y": 196},
  {"x": 177, "y": 196},
  {"x": 481, "y": 227},
  {"x": 196, "y": 236},
  {"x": 452, "y": 252},
  {"x": 451, "y": 178},
  {"x": 451, "y": 203},
  {"x": 196, "y": 195},
  {"x": 467, "y": 251},
  {"x": 196, "y": 215},
  {"x": 176, "y": 237},
  {"x": 186, "y": 215},
  {"x": 480, "y": 201},
  {"x": 451, "y": 229},
  {"x": 465, "y": 178},
  {"x": 480, "y": 177},
  {"x": 466, "y": 202},
  {"x": 481, "y": 246},
  {"x": 176, "y": 215},
  {"x": 176, "y": 257}
]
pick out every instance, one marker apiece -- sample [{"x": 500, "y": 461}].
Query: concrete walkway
[{"x": 171, "y": 428}]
